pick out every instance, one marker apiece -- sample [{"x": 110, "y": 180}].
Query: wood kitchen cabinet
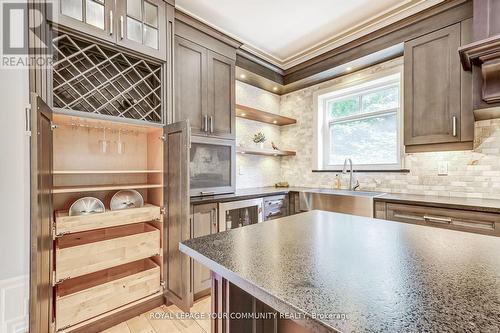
[
  {"x": 142, "y": 26},
  {"x": 204, "y": 83},
  {"x": 457, "y": 219},
  {"x": 204, "y": 222},
  {"x": 91, "y": 17},
  {"x": 437, "y": 92},
  {"x": 190, "y": 77},
  {"x": 221, "y": 95},
  {"x": 138, "y": 25}
]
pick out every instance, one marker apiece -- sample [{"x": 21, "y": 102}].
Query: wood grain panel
[
  {"x": 432, "y": 87},
  {"x": 177, "y": 228},
  {"x": 107, "y": 290},
  {"x": 71, "y": 224},
  {"x": 190, "y": 84},
  {"x": 221, "y": 95},
  {"x": 90, "y": 251}
]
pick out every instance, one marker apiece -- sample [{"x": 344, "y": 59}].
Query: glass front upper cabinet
[
  {"x": 93, "y": 17},
  {"x": 142, "y": 26},
  {"x": 139, "y": 25}
]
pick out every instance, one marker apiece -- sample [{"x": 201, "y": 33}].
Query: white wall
[{"x": 14, "y": 202}]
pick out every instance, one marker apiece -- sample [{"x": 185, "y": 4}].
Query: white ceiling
[{"x": 286, "y": 32}]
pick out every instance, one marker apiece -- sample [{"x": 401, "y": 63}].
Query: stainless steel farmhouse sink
[{"x": 340, "y": 201}]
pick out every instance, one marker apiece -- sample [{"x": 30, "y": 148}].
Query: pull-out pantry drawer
[
  {"x": 91, "y": 295},
  {"x": 91, "y": 251},
  {"x": 69, "y": 224},
  {"x": 464, "y": 220}
]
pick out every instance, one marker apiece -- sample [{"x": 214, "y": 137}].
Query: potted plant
[{"x": 259, "y": 139}]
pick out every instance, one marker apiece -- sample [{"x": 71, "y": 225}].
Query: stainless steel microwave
[{"x": 212, "y": 166}]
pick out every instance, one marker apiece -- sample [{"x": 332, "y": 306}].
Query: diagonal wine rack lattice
[{"x": 93, "y": 78}]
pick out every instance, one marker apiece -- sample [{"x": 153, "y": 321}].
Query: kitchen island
[{"x": 328, "y": 272}]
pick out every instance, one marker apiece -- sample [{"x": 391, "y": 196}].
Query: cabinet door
[
  {"x": 432, "y": 87},
  {"x": 42, "y": 245},
  {"x": 92, "y": 17},
  {"x": 221, "y": 99},
  {"x": 204, "y": 223},
  {"x": 177, "y": 227},
  {"x": 142, "y": 26},
  {"x": 190, "y": 84}
]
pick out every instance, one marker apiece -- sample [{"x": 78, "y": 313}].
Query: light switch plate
[
  {"x": 443, "y": 168},
  {"x": 240, "y": 170}
]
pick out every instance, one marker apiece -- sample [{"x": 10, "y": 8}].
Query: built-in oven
[
  {"x": 241, "y": 213},
  {"x": 212, "y": 166}
]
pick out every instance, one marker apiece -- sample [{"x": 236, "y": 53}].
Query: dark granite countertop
[
  {"x": 384, "y": 276},
  {"x": 244, "y": 194},
  {"x": 482, "y": 205}
]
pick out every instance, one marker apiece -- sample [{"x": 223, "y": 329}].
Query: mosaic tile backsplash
[{"x": 474, "y": 174}]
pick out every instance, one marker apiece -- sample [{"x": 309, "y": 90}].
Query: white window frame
[{"x": 359, "y": 83}]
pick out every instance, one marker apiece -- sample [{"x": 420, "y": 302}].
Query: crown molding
[{"x": 394, "y": 14}]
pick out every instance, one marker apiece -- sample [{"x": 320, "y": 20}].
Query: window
[{"x": 361, "y": 122}]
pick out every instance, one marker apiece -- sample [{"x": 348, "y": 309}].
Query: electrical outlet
[
  {"x": 443, "y": 168},
  {"x": 241, "y": 171}
]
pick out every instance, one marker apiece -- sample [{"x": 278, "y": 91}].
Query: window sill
[{"x": 370, "y": 170}]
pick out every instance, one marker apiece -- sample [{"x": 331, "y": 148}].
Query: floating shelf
[
  {"x": 264, "y": 152},
  {"x": 98, "y": 172},
  {"x": 246, "y": 112},
  {"x": 96, "y": 188}
]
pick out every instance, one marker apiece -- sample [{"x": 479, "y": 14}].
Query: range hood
[{"x": 482, "y": 57}]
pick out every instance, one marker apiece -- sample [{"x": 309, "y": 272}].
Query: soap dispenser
[{"x": 336, "y": 183}]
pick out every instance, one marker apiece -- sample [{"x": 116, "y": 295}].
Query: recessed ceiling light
[
  {"x": 275, "y": 88},
  {"x": 243, "y": 114},
  {"x": 243, "y": 76},
  {"x": 348, "y": 68},
  {"x": 275, "y": 121}
]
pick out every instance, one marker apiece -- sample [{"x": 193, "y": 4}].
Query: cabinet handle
[
  {"x": 446, "y": 220},
  {"x": 272, "y": 214},
  {"x": 110, "y": 22},
  {"x": 121, "y": 27},
  {"x": 213, "y": 215},
  {"x": 454, "y": 126},
  {"x": 205, "y": 123},
  {"x": 211, "y": 124}
]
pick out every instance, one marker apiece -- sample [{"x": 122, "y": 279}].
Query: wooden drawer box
[
  {"x": 69, "y": 224},
  {"x": 91, "y": 251},
  {"x": 471, "y": 221},
  {"x": 88, "y": 296}
]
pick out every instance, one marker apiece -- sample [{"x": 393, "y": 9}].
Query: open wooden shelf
[
  {"x": 95, "y": 188},
  {"x": 264, "y": 152},
  {"x": 103, "y": 172},
  {"x": 247, "y": 112}
]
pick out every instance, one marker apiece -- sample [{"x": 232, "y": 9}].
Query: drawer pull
[
  {"x": 271, "y": 214},
  {"x": 275, "y": 202},
  {"x": 446, "y": 220}
]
